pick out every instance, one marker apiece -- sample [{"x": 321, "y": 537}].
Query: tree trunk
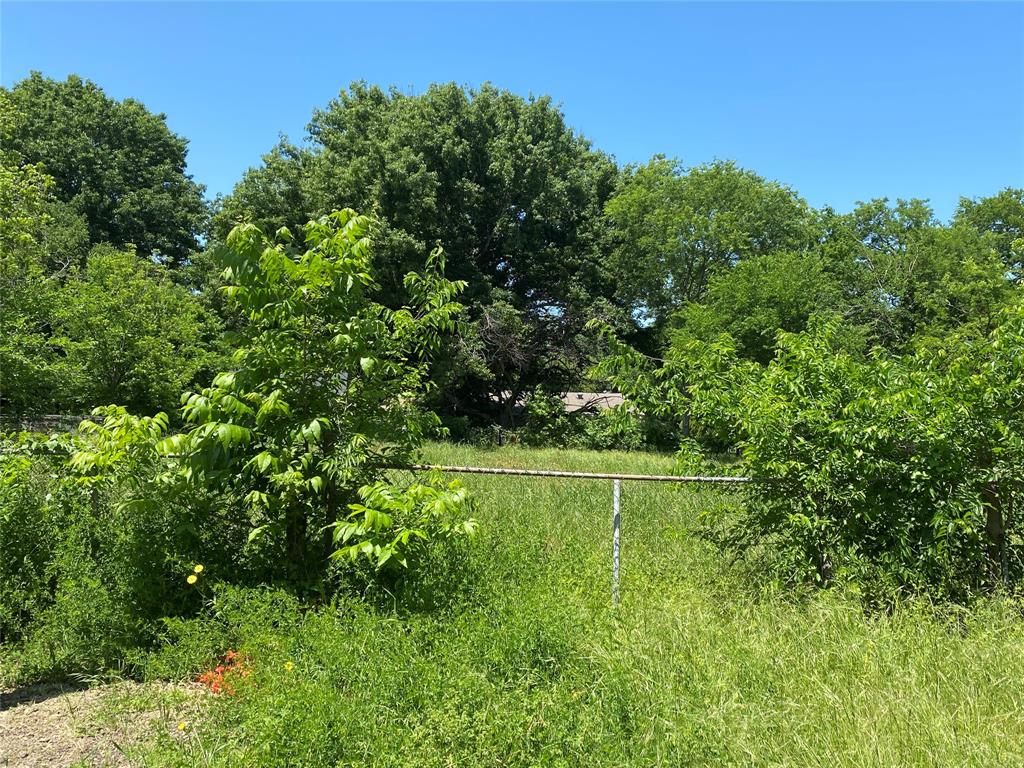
[
  {"x": 995, "y": 530},
  {"x": 295, "y": 541}
]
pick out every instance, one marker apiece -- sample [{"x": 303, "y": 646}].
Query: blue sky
[{"x": 844, "y": 102}]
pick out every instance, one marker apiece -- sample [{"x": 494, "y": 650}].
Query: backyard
[{"x": 529, "y": 664}]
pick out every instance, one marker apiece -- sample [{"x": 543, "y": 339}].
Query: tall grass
[{"x": 531, "y": 665}]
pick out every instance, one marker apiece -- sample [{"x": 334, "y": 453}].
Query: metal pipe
[
  {"x": 582, "y": 475},
  {"x": 616, "y": 523}
]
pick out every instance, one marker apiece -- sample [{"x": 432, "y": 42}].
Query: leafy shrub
[
  {"x": 85, "y": 567},
  {"x": 129, "y": 335},
  {"x": 27, "y": 536},
  {"x": 548, "y": 425},
  {"x": 894, "y": 472},
  {"x": 391, "y": 524},
  {"x": 324, "y": 400},
  {"x": 326, "y": 391}
]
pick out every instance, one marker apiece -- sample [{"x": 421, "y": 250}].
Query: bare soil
[{"x": 59, "y": 726}]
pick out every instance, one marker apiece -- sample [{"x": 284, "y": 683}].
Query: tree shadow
[{"x": 35, "y": 693}]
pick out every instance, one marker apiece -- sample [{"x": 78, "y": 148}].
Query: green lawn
[{"x": 530, "y": 665}]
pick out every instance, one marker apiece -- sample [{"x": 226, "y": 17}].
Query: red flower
[{"x": 218, "y": 680}]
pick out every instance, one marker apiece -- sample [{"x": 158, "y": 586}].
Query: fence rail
[
  {"x": 583, "y": 475},
  {"x": 616, "y": 479}
]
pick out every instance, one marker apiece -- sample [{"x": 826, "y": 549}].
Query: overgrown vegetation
[
  {"x": 891, "y": 472},
  {"x": 528, "y": 666},
  {"x": 546, "y": 231},
  {"x": 279, "y": 467},
  {"x": 867, "y": 368}
]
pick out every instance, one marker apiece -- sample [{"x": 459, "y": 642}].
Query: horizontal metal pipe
[
  {"x": 545, "y": 473},
  {"x": 581, "y": 475}
]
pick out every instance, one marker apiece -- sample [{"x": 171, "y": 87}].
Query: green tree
[
  {"x": 115, "y": 164},
  {"x": 272, "y": 195},
  {"x": 129, "y": 335},
  {"x": 674, "y": 228},
  {"x": 905, "y": 275},
  {"x": 895, "y": 472},
  {"x": 509, "y": 191},
  {"x": 512, "y": 194},
  {"x": 1002, "y": 215},
  {"x": 757, "y": 298},
  {"x": 325, "y": 393},
  {"x": 27, "y": 375}
]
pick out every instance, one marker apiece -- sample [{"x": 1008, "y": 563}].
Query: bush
[
  {"x": 326, "y": 390},
  {"x": 28, "y": 532},
  {"x": 548, "y": 425},
  {"x": 395, "y": 525},
  {"x": 898, "y": 473},
  {"x": 324, "y": 401},
  {"x": 84, "y": 573}
]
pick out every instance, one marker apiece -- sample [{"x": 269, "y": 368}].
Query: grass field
[{"x": 530, "y": 665}]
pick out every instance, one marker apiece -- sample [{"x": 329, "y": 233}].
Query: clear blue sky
[{"x": 844, "y": 102}]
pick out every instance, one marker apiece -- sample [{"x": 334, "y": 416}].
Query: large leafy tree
[
  {"x": 759, "y": 297},
  {"x": 674, "y": 228},
  {"x": 115, "y": 164},
  {"x": 76, "y": 331},
  {"x": 905, "y": 275},
  {"x": 509, "y": 190},
  {"x": 39, "y": 241},
  {"x": 502, "y": 183},
  {"x": 1001, "y": 215},
  {"x": 129, "y": 335},
  {"x": 27, "y": 376},
  {"x": 326, "y": 389}
]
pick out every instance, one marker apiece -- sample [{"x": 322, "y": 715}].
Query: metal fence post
[
  {"x": 616, "y": 489},
  {"x": 615, "y": 477}
]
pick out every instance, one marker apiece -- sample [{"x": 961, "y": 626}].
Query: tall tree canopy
[
  {"x": 1001, "y": 215},
  {"x": 83, "y": 326},
  {"x": 674, "y": 228},
  {"x": 547, "y": 232},
  {"x": 906, "y": 275},
  {"x": 502, "y": 183},
  {"x": 509, "y": 190},
  {"x": 114, "y": 163},
  {"x": 759, "y": 297}
]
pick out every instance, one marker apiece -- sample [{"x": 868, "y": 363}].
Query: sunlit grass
[{"x": 698, "y": 666}]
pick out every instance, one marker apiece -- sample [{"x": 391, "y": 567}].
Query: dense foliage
[
  {"x": 85, "y": 317},
  {"x": 512, "y": 194},
  {"x": 528, "y": 666},
  {"x": 114, "y": 164},
  {"x": 327, "y": 387},
  {"x": 676, "y": 228},
  {"x": 893, "y": 472},
  {"x": 281, "y": 464},
  {"x": 544, "y": 229},
  {"x": 862, "y": 362}
]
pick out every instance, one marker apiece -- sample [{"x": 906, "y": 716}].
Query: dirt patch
[{"x": 61, "y": 726}]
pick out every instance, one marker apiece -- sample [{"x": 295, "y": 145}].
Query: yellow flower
[
  {"x": 182, "y": 726},
  {"x": 289, "y": 666},
  {"x": 192, "y": 578},
  {"x": 198, "y": 568}
]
